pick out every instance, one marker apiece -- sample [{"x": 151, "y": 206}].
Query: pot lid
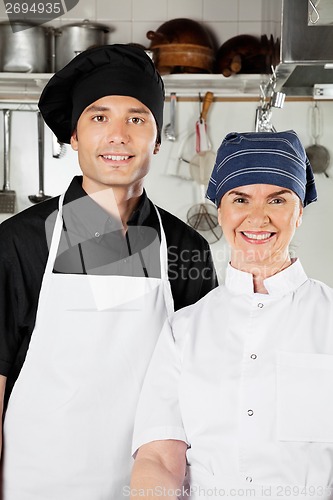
[
  {"x": 86, "y": 24},
  {"x": 20, "y": 23}
]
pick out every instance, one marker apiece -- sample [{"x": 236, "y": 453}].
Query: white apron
[{"x": 68, "y": 426}]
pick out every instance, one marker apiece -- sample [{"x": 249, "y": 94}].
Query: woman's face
[{"x": 259, "y": 222}]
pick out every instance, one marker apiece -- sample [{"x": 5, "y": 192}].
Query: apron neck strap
[
  {"x": 57, "y": 233},
  {"x": 163, "y": 249},
  {"x": 55, "y": 237}
]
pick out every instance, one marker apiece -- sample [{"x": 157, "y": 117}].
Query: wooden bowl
[{"x": 183, "y": 58}]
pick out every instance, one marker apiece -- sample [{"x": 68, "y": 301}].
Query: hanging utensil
[
  {"x": 202, "y": 143},
  {"x": 202, "y": 163},
  {"x": 318, "y": 155},
  {"x": 7, "y": 195},
  {"x": 203, "y": 217},
  {"x": 58, "y": 148},
  {"x": 199, "y": 167},
  {"x": 40, "y": 196},
  {"x": 170, "y": 128},
  {"x": 269, "y": 99},
  {"x": 313, "y": 14},
  {"x": 185, "y": 151}
]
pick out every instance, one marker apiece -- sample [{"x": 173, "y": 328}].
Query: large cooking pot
[
  {"x": 26, "y": 50},
  {"x": 182, "y": 46},
  {"x": 72, "y": 39}
]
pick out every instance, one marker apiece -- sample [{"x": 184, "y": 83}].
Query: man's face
[{"x": 115, "y": 139}]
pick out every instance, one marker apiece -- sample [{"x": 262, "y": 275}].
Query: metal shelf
[
  {"x": 24, "y": 88},
  {"x": 188, "y": 85},
  {"x": 17, "y": 88}
]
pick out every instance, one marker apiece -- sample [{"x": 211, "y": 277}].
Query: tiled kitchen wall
[{"x": 129, "y": 20}]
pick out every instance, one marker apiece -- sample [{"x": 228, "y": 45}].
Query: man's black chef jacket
[{"x": 91, "y": 243}]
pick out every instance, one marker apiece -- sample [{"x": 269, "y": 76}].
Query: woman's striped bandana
[{"x": 276, "y": 158}]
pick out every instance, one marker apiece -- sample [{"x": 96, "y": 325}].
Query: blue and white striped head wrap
[{"x": 276, "y": 158}]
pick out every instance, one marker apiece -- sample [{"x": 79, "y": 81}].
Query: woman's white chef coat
[{"x": 246, "y": 379}]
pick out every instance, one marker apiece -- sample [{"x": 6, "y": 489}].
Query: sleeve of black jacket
[{"x": 190, "y": 265}]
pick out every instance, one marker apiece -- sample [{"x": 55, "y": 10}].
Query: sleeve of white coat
[{"x": 158, "y": 415}]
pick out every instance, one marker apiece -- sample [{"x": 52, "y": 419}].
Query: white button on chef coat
[{"x": 203, "y": 385}]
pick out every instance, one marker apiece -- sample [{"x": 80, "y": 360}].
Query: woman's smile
[{"x": 257, "y": 237}]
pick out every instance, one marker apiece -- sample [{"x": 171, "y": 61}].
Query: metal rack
[{"x": 26, "y": 87}]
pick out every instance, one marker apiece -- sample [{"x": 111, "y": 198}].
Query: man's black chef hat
[{"x": 98, "y": 72}]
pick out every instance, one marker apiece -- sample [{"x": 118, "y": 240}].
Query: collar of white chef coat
[{"x": 280, "y": 284}]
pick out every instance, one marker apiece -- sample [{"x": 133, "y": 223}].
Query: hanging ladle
[
  {"x": 40, "y": 196},
  {"x": 318, "y": 155},
  {"x": 170, "y": 128}
]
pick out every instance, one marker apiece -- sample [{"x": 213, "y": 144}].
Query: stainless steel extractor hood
[{"x": 306, "y": 44}]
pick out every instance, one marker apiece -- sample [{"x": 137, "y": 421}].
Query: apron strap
[
  {"x": 168, "y": 297},
  {"x": 163, "y": 249},
  {"x": 57, "y": 233},
  {"x": 55, "y": 238}
]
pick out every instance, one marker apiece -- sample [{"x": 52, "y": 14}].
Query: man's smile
[{"x": 116, "y": 157}]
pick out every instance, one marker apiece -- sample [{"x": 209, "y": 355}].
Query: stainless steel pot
[
  {"x": 72, "y": 39},
  {"x": 26, "y": 50}
]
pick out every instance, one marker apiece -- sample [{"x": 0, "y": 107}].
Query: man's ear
[{"x": 74, "y": 141}]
